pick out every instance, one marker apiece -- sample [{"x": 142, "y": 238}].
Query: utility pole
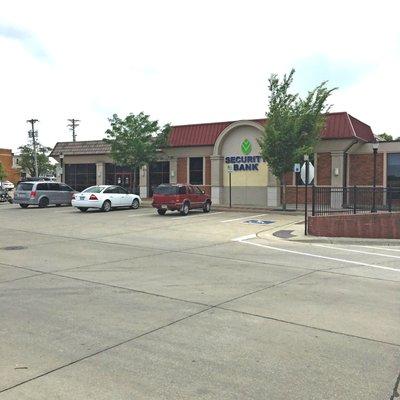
[
  {"x": 72, "y": 127},
  {"x": 34, "y": 135}
]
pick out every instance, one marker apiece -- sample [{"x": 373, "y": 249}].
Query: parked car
[
  {"x": 6, "y": 185},
  {"x": 105, "y": 198},
  {"x": 180, "y": 198},
  {"x": 42, "y": 194}
]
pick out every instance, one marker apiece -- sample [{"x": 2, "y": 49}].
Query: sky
[{"x": 189, "y": 62}]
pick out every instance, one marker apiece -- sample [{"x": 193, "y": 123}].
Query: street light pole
[
  {"x": 61, "y": 165},
  {"x": 375, "y": 146},
  {"x": 33, "y": 135}
]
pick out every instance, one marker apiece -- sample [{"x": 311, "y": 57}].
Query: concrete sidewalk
[{"x": 295, "y": 233}]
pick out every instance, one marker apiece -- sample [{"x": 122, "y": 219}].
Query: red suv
[{"x": 180, "y": 198}]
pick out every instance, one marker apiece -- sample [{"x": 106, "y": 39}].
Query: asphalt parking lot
[{"x": 133, "y": 305}]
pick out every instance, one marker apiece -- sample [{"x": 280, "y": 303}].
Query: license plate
[{"x": 82, "y": 197}]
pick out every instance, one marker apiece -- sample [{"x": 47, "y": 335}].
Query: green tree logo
[{"x": 246, "y": 147}]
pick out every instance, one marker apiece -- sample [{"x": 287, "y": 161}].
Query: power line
[
  {"x": 72, "y": 127},
  {"x": 34, "y": 136}
]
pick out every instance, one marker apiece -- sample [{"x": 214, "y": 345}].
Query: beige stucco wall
[{"x": 232, "y": 147}]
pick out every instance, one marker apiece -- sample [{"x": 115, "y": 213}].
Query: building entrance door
[{"x": 121, "y": 176}]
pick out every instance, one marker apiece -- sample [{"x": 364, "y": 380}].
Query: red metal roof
[{"x": 339, "y": 125}]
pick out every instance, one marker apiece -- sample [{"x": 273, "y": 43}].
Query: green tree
[
  {"x": 293, "y": 125},
  {"x": 135, "y": 140},
  {"x": 3, "y": 174},
  {"x": 385, "y": 137},
  {"x": 27, "y": 159}
]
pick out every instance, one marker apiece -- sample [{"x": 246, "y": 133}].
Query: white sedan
[{"x": 105, "y": 197}]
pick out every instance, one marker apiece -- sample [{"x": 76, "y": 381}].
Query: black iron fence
[{"x": 354, "y": 200}]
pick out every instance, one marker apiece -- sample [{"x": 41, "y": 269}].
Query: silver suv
[{"x": 42, "y": 193}]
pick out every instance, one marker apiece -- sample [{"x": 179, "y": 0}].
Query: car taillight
[
  {"x": 93, "y": 197},
  {"x": 33, "y": 194}
]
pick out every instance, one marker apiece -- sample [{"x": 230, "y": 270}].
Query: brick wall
[
  {"x": 181, "y": 174},
  {"x": 6, "y": 159},
  {"x": 324, "y": 169},
  {"x": 291, "y": 194},
  {"x": 362, "y": 169},
  {"x": 371, "y": 225}
]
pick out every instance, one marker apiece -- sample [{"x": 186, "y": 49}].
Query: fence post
[
  {"x": 355, "y": 199},
  {"x": 313, "y": 200},
  {"x": 390, "y": 198}
]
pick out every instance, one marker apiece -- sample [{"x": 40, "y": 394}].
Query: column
[
  {"x": 173, "y": 170},
  {"x": 273, "y": 190},
  {"x": 143, "y": 182},
  {"x": 100, "y": 173},
  {"x": 337, "y": 168},
  {"x": 217, "y": 184}
]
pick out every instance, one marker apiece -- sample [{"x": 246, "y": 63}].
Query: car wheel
[
  {"x": 44, "y": 202},
  {"x": 135, "y": 204},
  {"x": 185, "y": 209},
  {"x": 207, "y": 207},
  {"x": 106, "y": 207},
  {"x": 161, "y": 212},
  {"x": 83, "y": 209},
  {"x": 24, "y": 205}
]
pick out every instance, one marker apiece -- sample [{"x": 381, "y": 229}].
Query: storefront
[{"x": 224, "y": 159}]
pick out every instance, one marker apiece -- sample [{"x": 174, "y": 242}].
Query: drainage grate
[
  {"x": 258, "y": 221},
  {"x": 13, "y": 248}
]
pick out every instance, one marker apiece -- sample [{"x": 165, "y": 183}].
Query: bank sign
[{"x": 244, "y": 162}]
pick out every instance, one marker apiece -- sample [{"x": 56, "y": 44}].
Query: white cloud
[{"x": 185, "y": 61}]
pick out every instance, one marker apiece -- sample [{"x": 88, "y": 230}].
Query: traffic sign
[
  {"x": 230, "y": 168},
  {"x": 296, "y": 167},
  {"x": 310, "y": 173}
]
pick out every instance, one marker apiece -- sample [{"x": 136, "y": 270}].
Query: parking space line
[
  {"x": 140, "y": 215},
  {"x": 238, "y": 219},
  {"x": 342, "y": 260},
  {"x": 384, "y": 248},
  {"x": 357, "y": 251}
]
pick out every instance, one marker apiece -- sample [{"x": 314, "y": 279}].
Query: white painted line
[
  {"x": 238, "y": 219},
  {"x": 342, "y": 260},
  {"x": 357, "y": 251},
  {"x": 384, "y": 248},
  {"x": 140, "y": 215},
  {"x": 241, "y": 238},
  {"x": 203, "y": 214}
]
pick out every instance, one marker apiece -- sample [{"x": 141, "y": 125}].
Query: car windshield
[
  {"x": 166, "y": 190},
  {"x": 93, "y": 189},
  {"x": 24, "y": 186}
]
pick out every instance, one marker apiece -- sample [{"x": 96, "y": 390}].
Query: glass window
[
  {"x": 166, "y": 189},
  {"x": 41, "y": 186},
  {"x": 196, "y": 170},
  {"x": 198, "y": 190},
  {"x": 54, "y": 186},
  {"x": 65, "y": 188},
  {"x": 393, "y": 169},
  {"x": 121, "y": 190},
  {"x": 25, "y": 187},
  {"x": 182, "y": 190},
  {"x": 93, "y": 189},
  {"x": 393, "y": 174}
]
